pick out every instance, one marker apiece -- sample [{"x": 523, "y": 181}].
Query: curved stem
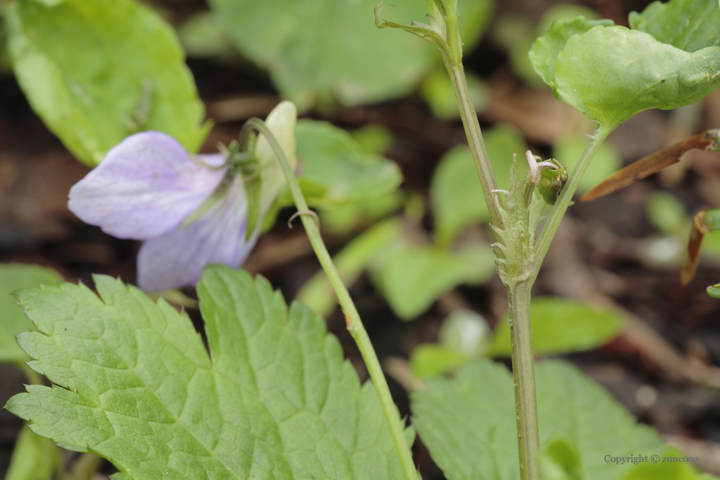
[
  {"x": 565, "y": 198},
  {"x": 523, "y": 363},
  {"x": 352, "y": 318}
]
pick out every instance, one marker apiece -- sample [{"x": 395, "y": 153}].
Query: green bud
[{"x": 552, "y": 182}]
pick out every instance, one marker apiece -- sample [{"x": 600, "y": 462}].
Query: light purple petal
[
  {"x": 145, "y": 187},
  {"x": 178, "y": 258}
]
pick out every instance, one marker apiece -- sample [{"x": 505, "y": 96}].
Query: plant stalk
[
  {"x": 565, "y": 199},
  {"x": 475, "y": 138},
  {"x": 523, "y": 363},
  {"x": 352, "y": 318}
]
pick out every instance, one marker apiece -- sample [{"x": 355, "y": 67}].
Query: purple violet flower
[{"x": 189, "y": 209}]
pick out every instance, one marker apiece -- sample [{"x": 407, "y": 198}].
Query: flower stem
[
  {"x": 523, "y": 363},
  {"x": 352, "y": 318},
  {"x": 565, "y": 199},
  {"x": 474, "y": 136}
]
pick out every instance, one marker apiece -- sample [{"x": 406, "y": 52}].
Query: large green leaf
[
  {"x": 562, "y": 326},
  {"x": 689, "y": 25},
  {"x": 412, "y": 277},
  {"x": 544, "y": 52},
  {"x": 468, "y": 422},
  {"x": 135, "y": 384},
  {"x": 330, "y": 48},
  {"x": 611, "y": 73},
  {"x": 12, "y": 319},
  {"x": 455, "y": 192},
  {"x": 97, "y": 71},
  {"x": 335, "y": 169}
]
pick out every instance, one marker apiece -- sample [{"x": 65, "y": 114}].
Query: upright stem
[
  {"x": 475, "y": 138},
  {"x": 523, "y": 364},
  {"x": 352, "y": 318},
  {"x": 565, "y": 199}
]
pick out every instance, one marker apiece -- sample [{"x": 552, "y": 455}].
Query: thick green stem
[
  {"x": 565, "y": 198},
  {"x": 523, "y": 364},
  {"x": 474, "y": 136},
  {"x": 352, "y": 318}
]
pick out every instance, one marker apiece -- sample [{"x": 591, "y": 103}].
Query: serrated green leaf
[
  {"x": 34, "y": 458},
  {"x": 412, "y": 277},
  {"x": 455, "y": 191},
  {"x": 97, "y": 71},
  {"x": 334, "y": 169},
  {"x": 562, "y": 326},
  {"x": 611, "y": 73},
  {"x": 689, "y": 25},
  {"x": 468, "y": 422},
  {"x": 136, "y": 385},
  {"x": 359, "y": 65},
  {"x": 12, "y": 319},
  {"x": 544, "y": 52}
]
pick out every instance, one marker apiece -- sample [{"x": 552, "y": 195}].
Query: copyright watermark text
[{"x": 635, "y": 459}]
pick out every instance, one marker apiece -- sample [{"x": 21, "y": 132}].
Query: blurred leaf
[
  {"x": 345, "y": 218},
  {"x": 439, "y": 93},
  {"x": 562, "y": 326},
  {"x": 560, "y": 460},
  {"x": 714, "y": 291},
  {"x": 429, "y": 360},
  {"x": 463, "y": 335},
  {"x": 667, "y": 470},
  {"x": 455, "y": 191},
  {"x": 481, "y": 442},
  {"x": 413, "y": 277},
  {"x": 517, "y": 34},
  {"x": 611, "y": 73},
  {"x": 334, "y": 168},
  {"x": 318, "y": 294},
  {"x": 466, "y": 332},
  {"x": 689, "y": 25},
  {"x": 373, "y": 138},
  {"x": 605, "y": 162},
  {"x": 34, "y": 457},
  {"x": 12, "y": 318},
  {"x": 97, "y": 71},
  {"x": 667, "y": 214},
  {"x": 359, "y": 65},
  {"x": 202, "y": 36}
]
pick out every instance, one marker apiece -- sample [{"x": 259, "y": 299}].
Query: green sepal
[
  {"x": 552, "y": 182},
  {"x": 714, "y": 290}
]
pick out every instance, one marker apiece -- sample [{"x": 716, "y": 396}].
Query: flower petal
[
  {"x": 177, "y": 259},
  {"x": 145, "y": 187},
  {"x": 281, "y": 123}
]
